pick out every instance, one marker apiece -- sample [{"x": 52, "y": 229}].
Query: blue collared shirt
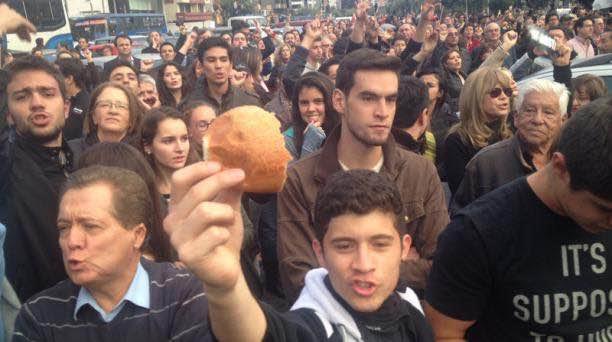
[{"x": 138, "y": 293}]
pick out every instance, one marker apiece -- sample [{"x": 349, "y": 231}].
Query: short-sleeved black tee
[{"x": 522, "y": 272}]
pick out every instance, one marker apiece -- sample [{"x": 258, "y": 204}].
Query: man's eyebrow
[
  {"x": 342, "y": 239},
  {"x": 368, "y": 93},
  {"x": 31, "y": 89}
]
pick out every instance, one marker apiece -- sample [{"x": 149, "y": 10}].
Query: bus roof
[{"x": 115, "y": 15}]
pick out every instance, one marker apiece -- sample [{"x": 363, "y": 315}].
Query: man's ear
[
  {"x": 339, "y": 101},
  {"x": 140, "y": 234},
  {"x": 318, "y": 250},
  {"x": 560, "y": 167},
  {"x": 406, "y": 241},
  {"x": 424, "y": 117}
]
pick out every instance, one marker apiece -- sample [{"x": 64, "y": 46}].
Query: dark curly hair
[{"x": 357, "y": 192}]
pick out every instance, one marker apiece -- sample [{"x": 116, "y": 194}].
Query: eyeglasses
[
  {"x": 497, "y": 91},
  {"x": 203, "y": 125},
  {"x": 107, "y": 104}
]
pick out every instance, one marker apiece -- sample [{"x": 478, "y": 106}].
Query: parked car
[{"x": 600, "y": 65}]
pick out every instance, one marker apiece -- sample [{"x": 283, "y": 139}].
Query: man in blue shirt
[{"x": 113, "y": 293}]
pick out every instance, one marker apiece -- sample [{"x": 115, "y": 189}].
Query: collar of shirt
[
  {"x": 137, "y": 293},
  {"x": 376, "y": 167}
]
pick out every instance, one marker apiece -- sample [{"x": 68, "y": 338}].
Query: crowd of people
[{"x": 428, "y": 198}]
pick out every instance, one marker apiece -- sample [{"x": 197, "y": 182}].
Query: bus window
[{"x": 46, "y": 15}]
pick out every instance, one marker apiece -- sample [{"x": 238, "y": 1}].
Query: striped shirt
[{"x": 177, "y": 312}]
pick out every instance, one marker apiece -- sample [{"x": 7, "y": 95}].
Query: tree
[
  {"x": 233, "y": 8},
  {"x": 400, "y": 7}
]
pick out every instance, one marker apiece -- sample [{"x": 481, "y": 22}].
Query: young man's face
[
  {"x": 124, "y": 46},
  {"x": 217, "y": 65},
  {"x": 586, "y": 31},
  {"x": 598, "y": 25},
  {"x": 367, "y": 111},
  {"x": 36, "y": 106},
  {"x": 125, "y": 76},
  {"x": 316, "y": 52},
  {"x": 362, "y": 254},
  {"x": 83, "y": 44}
]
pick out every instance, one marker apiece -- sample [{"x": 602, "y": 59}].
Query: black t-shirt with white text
[{"x": 522, "y": 272}]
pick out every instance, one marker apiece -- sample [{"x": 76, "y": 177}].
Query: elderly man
[
  {"x": 406, "y": 31},
  {"x": 113, "y": 292},
  {"x": 492, "y": 39},
  {"x": 541, "y": 106},
  {"x": 147, "y": 92},
  {"x": 530, "y": 260}
]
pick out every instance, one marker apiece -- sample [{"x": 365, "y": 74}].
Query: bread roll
[{"x": 249, "y": 138}]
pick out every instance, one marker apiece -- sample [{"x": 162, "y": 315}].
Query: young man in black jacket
[
  {"x": 360, "y": 244},
  {"x": 35, "y": 161}
]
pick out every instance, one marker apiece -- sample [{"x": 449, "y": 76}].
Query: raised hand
[
  {"x": 563, "y": 55},
  {"x": 146, "y": 65},
  {"x": 430, "y": 42},
  {"x": 428, "y": 10},
  {"x": 88, "y": 55},
  {"x": 509, "y": 40},
  {"x": 361, "y": 11},
  {"x": 13, "y": 22},
  {"x": 314, "y": 30},
  {"x": 205, "y": 225}
]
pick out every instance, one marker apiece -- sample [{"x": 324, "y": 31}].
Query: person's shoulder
[
  {"x": 492, "y": 151},
  {"x": 305, "y": 164},
  {"x": 111, "y": 62},
  {"x": 54, "y": 301},
  {"x": 501, "y": 208},
  {"x": 166, "y": 275},
  {"x": 410, "y": 162}
]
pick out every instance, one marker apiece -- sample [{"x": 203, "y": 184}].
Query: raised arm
[
  {"x": 205, "y": 227},
  {"x": 297, "y": 62}
]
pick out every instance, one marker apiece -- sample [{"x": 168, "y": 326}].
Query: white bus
[{"x": 50, "y": 19}]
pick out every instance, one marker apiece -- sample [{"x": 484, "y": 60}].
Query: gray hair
[
  {"x": 147, "y": 79},
  {"x": 544, "y": 86}
]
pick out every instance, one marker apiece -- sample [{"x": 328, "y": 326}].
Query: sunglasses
[{"x": 497, "y": 91}]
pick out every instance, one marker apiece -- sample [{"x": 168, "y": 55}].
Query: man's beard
[
  {"x": 364, "y": 139},
  {"x": 40, "y": 139}
]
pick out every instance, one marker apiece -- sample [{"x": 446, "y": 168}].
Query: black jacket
[
  {"x": 234, "y": 97},
  {"x": 458, "y": 152},
  {"x": 405, "y": 140},
  {"x": 79, "y": 105},
  {"x": 30, "y": 182},
  {"x": 492, "y": 167}
]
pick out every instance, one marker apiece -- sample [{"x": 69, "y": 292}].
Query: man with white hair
[
  {"x": 147, "y": 92},
  {"x": 541, "y": 108}
]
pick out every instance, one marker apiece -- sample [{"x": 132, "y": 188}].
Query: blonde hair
[{"x": 472, "y": 127}]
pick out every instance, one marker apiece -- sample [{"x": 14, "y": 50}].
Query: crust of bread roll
[{"x": 249, "y": 138}]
